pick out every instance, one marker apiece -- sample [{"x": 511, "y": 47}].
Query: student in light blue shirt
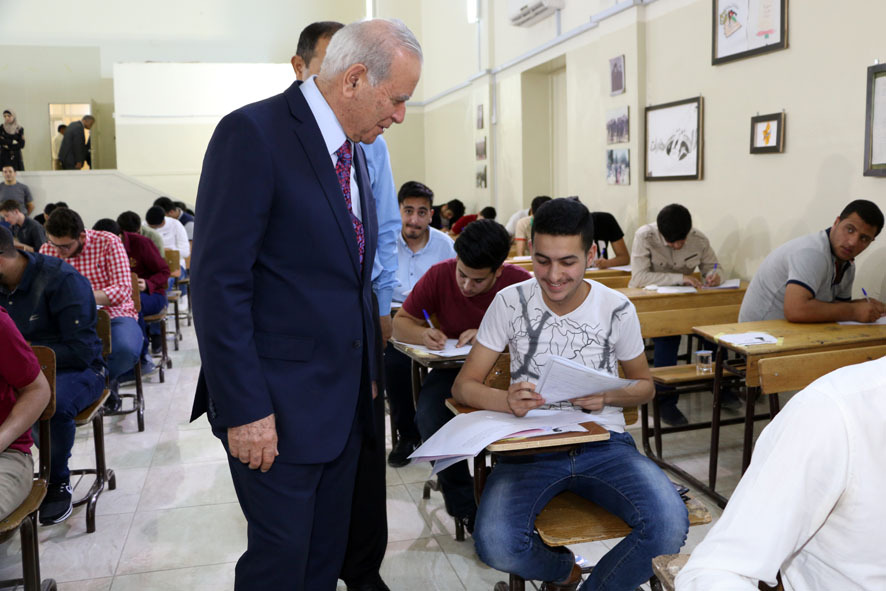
[{"x": 419, "y": 247}]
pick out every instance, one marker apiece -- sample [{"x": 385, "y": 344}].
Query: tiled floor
[{"x": 173, "y": 522}]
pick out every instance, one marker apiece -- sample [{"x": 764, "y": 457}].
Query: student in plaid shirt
[{"x": 101, "y": 258}]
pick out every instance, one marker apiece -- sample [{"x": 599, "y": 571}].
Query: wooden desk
[
  {"x": 422, "y": 362},
  {"x": 652, "y": 301},
  {"x": 792, "y": 338}
]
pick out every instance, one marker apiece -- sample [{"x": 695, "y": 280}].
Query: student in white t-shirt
[{"x": 560, "y": 313}]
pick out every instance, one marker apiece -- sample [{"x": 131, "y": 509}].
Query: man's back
[
  {"x": 73, "y": 148},
  {"x": 30, "y": 233}
]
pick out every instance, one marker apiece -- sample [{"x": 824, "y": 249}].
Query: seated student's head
[
  {"x": 487, "y": 213},
  {"x": 416, "y": 208},
  {"x": 480, "y": 250},
  {"x": 182, "y": 207},
  {"x": 65, "y": 231},
  {"x": 107, "y": 225},
  {"x": 129, "y": 221},
  {"x": 7, "y": 248},
  {"x": 453, "y": 210},
  {"x": 155, "y": 217},
  {"x": 674, "y": 223},
  {"x": 562, "y": 247},
  {"x": 856, "y": 227},
  {"x": 166, "y": 204},
  {"x": 538, "y": 202},
  {"x": 11, "y": 211}
]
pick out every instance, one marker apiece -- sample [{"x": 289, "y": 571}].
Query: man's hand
[
  {"x": 593, "y": 402},
  {"x": 78, "y": 165},
  {"x": 433, "y": 338},
  {"x": 255, "y": 443},
  {"x": 522, "y": 398},
  {"x": 387, "y": 327},
  {"x": 691, "y": 280},
  {"x": 868, "y": 310},
  {"x": 142, "y": 285},
  {"x": 374, "y": 390},
  {"x": 468, "y": 336},
  {"x": 713, "y": 279}
]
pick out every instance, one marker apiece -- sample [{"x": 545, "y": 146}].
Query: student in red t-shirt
[
  {"x": 457, "y": 292},
  {"x": 24, "y": 393},
  {"x": 487, "y": 213}
]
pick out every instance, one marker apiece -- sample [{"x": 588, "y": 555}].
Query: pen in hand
[{"x": 428, "y": 318}]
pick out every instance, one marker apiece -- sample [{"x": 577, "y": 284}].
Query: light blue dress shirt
[{"x": 412, "y": 265}]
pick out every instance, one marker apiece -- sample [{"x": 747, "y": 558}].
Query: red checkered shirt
[{"x": 104, "y": 262}]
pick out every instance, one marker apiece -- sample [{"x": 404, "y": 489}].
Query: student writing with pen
[
  {"x": 458, "y": 292},
  {"x": 667, "y": 252}
]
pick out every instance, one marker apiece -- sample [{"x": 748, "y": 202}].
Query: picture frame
[
  {"x": 675, "y": 140},
  {"x": 618, "y": 166},
  {"x": 875, "y": 122},
  {"x": 618, "y": 126},
  {"x": 480, "y": 149},
  {"x": 480, "y": 178},
  {"x": 767, "y": 133},
  {"x": 747, "y": 28},
  {"x": 480, "y": 116},
  {"x": 617, "y": 75}
]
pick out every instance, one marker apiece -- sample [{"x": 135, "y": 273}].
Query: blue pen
[
  {"x": 428, "y": 318},
  {"x": 865, "y": 294}
]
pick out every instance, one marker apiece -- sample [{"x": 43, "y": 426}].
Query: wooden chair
[
  {"x": 795, "y": 372},
  {"x": 571, "y": 519},
  {"x": 94, "y": 414},
  {"x": 24, "y": 518},
  {"x": 187, "y": 283},
  {"x": 173, "y": 296},
  {"x": 138, "y": 399}
]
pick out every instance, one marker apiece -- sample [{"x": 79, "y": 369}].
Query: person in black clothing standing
[{"x": 12, "y": 140}]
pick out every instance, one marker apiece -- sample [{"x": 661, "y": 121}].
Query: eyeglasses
[{"x": 66, "y": 247}]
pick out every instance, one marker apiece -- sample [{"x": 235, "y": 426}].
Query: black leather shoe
[
  {"x": 375, "y": 585},
  {"x": 671, "y": 415},
  {"x": 399, "y": 456}
]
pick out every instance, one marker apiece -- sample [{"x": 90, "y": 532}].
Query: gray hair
[{"x": 372, "y": 43}]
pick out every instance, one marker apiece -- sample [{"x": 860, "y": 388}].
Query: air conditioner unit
[{"x": 525, "y": 13}]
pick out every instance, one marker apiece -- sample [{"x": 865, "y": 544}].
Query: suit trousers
[{"x": 297, "y": 519}]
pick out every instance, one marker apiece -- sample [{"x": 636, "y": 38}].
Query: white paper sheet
[
  {"x": 728, "y": 284},
  {"x": 562, "y": 379},
  {"x": 449, "y": 350},
  {"x": 677, "y": 289},
  {"x": 745, "y": 339},
  {"x": 521, "y": 259},
  {"x": 881, "y": 321}
]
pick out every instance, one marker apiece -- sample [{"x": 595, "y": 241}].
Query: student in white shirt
[{"x": 171, "y": 230}]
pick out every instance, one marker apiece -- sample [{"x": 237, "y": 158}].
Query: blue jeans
[
  {"x": 74, "y": 391},
  {"x": 127, "y": 340},
  {"x": 612, "y": 474}
]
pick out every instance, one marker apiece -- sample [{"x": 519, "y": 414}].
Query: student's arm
[
  {"x": 521, "y": 246},
  {"x": 409, "y": 329},
  {"x": 800, "y": 305},
  {"x": 469, "y": 389},
  {"x": 622, "y": 256},
  {"x": 119, "y": 289},
  {"x": 708, "y": 265},
  {"x": 182, "y": 243},
  {"x": 30, "y": 400},
  {"x": 637, "y": 393}
]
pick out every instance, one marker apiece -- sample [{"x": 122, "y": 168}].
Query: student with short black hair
[
  {"x": 809, "y": 279},
  {"x": 457, "y": 292},
  {"x": 668, "y": 252},
  {"x": 487, "y": 213},
  {"x": 26, "y": 231},
  {"x": 523, "y": 234},
  {"x": 130, "y": 221},
  {"x": 558, "y": 312}
]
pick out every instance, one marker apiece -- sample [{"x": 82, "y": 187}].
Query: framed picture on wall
[
  {"x": 617, "y": 75},
  {"x": 480, "y": 179},
  {"x": 875, "y": 123},
  {"x": 617, "y": 126},
  {"x": 767, "y": 134},
  {"x": 618, "y": 167},
  {"x": 674, "y": 140},
  {"x": 480, "y": 116},
  {"x": 745, "y": 28},
  {"x": 480, "y": 149}
]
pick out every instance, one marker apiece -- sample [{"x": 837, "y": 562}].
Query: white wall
[{"x": 94, "y": 194}]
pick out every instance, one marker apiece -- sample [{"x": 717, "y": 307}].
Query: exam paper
[
  {"x": 562, "y": 379},
  {"x": 881, "y": 321},
  {"x": 449, "y": 350},
  {"x": 521, "y": 259},
  {"x": 677, "y": 289},
  {"x": 744, "y": 339},
  {"x": 728, "y": 284}
]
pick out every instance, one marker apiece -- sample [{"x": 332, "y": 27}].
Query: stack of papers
[
  {"x": 745, "y": 339},
  {"x": 468, "y": 434},
  {"x": 563, "y": 379},
  {"x": 449, "y": 350}
]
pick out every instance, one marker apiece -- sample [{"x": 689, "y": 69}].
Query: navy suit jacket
[{"x": 282, "y": 307}]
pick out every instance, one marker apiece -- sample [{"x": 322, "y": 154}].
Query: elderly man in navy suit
[{"x": 283, "y": 300}]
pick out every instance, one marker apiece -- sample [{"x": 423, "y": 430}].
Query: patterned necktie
[{"x": 343, "y": 171}]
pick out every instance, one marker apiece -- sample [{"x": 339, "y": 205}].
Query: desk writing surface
[
  {"x": 794, "y": 338},
  {"x": 652, "y": 301},
  {"x": 427, "y": 359},
  {"x": 593, "y": 432}
]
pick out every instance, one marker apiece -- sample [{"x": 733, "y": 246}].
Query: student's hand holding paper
[
  {"x": 522, "y": 398},
  {"x": 467, "y": 337},
  {"x": 594, "y": 402},
  {"x": 433, "y": 338}
]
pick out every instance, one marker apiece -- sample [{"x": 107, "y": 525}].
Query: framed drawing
[
  {"x": 745, "y": 28},
  {"x": 480, "y": 149},
  {"x": 617, "y": 75},
  {"x": 618, "y": 167},
  {"x": 875, "y": 123},
  {"x": 767, "y": 133},
  {"x": 480, "y": 116},
  {"x": 617, "y": 126},
  {"x": 674, "y": 140}
]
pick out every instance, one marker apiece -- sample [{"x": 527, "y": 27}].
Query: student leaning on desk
[
  {"x": 809, "y": 279},
  {"x": 561, "y": 313},
  {"x": 457, "y": 292}
]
